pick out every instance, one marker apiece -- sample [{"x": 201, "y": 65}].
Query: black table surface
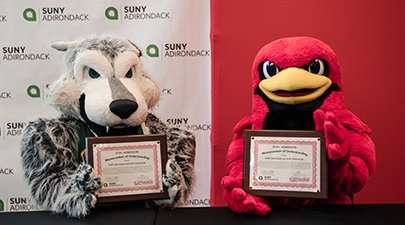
[{"x": 369, "y": 214}]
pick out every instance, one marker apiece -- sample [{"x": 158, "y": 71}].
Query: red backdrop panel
[{"x": 369, "y": 39}]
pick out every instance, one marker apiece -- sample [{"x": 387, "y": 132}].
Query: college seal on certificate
[
  {"x": 130, "y": 167},
  {"x": 285, "y": 163}
]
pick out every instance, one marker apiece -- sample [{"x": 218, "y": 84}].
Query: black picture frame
[
  {"x": 249, "y": 136},
  {"x": 161, "y": 141}
]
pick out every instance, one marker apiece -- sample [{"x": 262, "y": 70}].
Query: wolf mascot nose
[
  {"x": 123, "y": 108},
  {"x": 124, "y": 104}
]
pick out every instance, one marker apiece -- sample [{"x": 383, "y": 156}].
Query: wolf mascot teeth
[{"x": 103, "y": 91}]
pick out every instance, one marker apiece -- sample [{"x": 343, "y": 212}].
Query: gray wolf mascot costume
[{"x": 103, "y": 91}]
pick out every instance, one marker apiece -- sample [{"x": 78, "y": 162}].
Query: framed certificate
[
  {"x": 130, "y": 167},
  {"x": 285, "y": 163}
]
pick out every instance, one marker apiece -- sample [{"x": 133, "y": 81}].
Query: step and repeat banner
[{"x": 173, "y": 36}]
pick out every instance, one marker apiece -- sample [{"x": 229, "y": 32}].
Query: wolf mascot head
[{"x": 104, "y": 84}]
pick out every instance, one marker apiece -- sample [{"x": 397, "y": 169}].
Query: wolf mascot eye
[
  {"x": 96, "y": 98},
  {"x": 93, "y": 74},
  {"x": 129, "y": 74}
]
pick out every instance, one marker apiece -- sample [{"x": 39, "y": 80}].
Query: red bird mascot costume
[{"x": 297, "y": 85}]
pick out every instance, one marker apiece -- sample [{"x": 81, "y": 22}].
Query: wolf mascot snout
[{"x": 103, "y": 91}]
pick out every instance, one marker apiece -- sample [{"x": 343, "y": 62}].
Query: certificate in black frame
[
  {"x": 249, "y": 134},
  {"x": 159, "y": 138}
]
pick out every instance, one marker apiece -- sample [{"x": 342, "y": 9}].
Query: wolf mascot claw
[{"x": 103, "y": 91}]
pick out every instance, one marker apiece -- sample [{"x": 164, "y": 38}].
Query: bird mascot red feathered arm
[
  {"x": 351, "y": 152},
  {"x": 238, "y": 200}
]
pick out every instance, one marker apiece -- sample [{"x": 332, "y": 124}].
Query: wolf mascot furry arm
[{"x": 104, "y": 91}]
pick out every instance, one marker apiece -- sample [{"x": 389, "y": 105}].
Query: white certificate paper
[
  {"x": 128, "y": 168},
  {"x": 285, "y": 164}
]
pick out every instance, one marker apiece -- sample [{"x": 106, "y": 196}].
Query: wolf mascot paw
[{"x": 103, "y": 91}]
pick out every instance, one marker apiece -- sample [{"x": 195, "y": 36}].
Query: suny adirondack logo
[
  {"x": 135, "y": 12},
  {"x": 176, "y": 50},
  {"x": 22, "y": 53},
  {"x": 111, "y": 13},
  {"x": 29, "y": 14},
  {"x": 34, "y": 91},
  {"x": 53, "y": 14}
]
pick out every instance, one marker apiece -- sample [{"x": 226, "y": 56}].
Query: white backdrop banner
[{"x": 173, "y": 36}]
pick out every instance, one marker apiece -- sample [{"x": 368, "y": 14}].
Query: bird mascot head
[{"x": 294, "y": 77}]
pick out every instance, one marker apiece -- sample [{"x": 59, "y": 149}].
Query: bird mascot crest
[
  {"x": 296, "y": 85},
  {"x": 103, "y": 91}
]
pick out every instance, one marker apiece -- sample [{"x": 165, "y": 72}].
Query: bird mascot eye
[
  {"x": 269, "y": 69},
  {"x": 129, "y": 73},
  {"x": 93, "y": 74},
  {"x": 317, "y": 67}
]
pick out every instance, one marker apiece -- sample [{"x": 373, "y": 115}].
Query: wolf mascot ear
[
  {"x": 63, "y": 46},
  {"x": 103, "y": 91}
]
